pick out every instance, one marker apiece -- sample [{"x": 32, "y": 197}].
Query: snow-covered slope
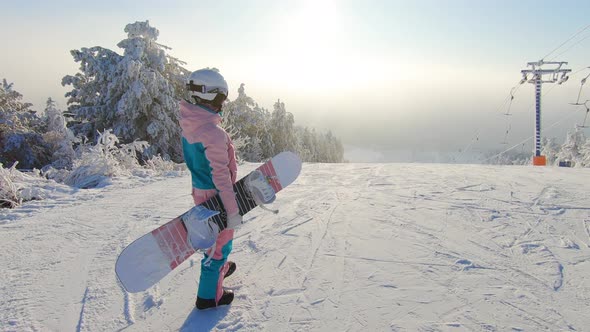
[{"x": 358, "y": 247}]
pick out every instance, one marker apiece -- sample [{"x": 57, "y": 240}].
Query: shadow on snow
[{"x": 204, "y": 320}]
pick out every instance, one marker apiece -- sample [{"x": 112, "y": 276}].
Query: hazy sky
[{"x": 383, "y": 75}]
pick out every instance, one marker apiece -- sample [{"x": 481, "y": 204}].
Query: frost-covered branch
[
  {"x": 99, "y": 163},
  {"x": 9, "y": 192}
]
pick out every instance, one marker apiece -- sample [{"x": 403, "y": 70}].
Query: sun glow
[
  {"x": 317, "y": 49},
  {"x": 312, "y": 49},
  {"x": 317, "y": 52}
]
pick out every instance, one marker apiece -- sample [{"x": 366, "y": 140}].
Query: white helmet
[{"x": 207, "y": 86}]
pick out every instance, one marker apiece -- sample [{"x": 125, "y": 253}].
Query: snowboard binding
[
  {"x": 201, "y": 230},
  {"x": 260, "y": 189}
]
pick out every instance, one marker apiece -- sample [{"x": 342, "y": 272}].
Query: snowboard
[{"x": 150, "y": 258}]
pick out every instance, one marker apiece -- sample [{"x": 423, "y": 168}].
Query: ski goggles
[{"x": 205, "y": 89}]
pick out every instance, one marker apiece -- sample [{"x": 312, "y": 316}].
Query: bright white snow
[{"x": 358, "y": 247}]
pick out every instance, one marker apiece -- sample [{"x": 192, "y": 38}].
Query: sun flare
[{"x": 311, "y": 47}]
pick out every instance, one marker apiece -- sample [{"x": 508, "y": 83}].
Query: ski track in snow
[{"x": 400, "y": 247}]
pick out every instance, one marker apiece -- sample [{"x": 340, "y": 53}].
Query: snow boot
[
  {"x": 226, "y": 298},
  {"x": 231, "y": 269}
]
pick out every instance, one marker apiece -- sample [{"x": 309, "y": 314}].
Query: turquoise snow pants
[{"x": 213, "y": 268}]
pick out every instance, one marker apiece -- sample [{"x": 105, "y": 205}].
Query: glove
[{"x": 234, "y": 221}]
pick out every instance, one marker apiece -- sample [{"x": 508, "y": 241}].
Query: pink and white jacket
[{"x": 209, "y": 154}]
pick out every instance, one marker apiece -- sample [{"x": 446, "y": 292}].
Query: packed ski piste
[
  {"x": 401, "y": 247},
  {"x": 354, "y": 247}
]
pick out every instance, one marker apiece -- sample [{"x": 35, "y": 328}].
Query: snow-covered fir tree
[
  {"x": 334, "y": 150},
  {"x": 13, "y": 112},
  {"x": 510, "y": 157},
  {"x": 270, "y": 133},
  {"x": 585, "y": 154},
  {"x": 136, "y": 94},
  {"x": 91, "y": 100},
  {"x": 59, "y": 138},
  {"x": 550, "y": 149},
  {"x": 282, "y": 125},
  {"x": 570, "y": 150},
  {"x": 249, "y": 120},
  {"x": 20, "y": 141},
  {"x": 307, "y": 144}
]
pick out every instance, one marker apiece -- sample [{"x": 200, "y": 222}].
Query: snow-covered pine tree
[
  {"x": 312, "y": 140},
  {"x": 305, "y": 145},
  {"x": 264, "y": 133},
  {"x": 176, "y": 74},
  {"x": 236, "y": 116},
  {"x": 20, "y": 140},
  {"x": 91, "y": 101},
  {"x": 585, "y": 154},
  {"x": 59, "y": 138},
  {"x": 336, "y": 150},
  {"x": 550, "y": 150},
  {"x": 13, "y": 112},
  {"x": 250, "y": 121},
  {"x": 510, "y": 157},
  {"x": 570, "y": 150},
  {"x": 148, "y": 108},
  {"x": 135, "y": 94},
  {"x": 282, "y": 128},
  {"x": 326, "y": 148}
]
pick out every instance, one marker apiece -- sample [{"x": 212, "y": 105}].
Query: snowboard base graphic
[{"x": 150, "y": 258}]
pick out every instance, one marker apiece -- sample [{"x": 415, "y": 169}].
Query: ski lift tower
[{"x": 541, "y": 74}]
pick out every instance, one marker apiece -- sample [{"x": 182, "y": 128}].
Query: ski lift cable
[
  {"x": 473, "y": 140},
  {"x": 545, "y": 93},
  {"x": 586, "y": 115},
  {"x": 581, "y": 86},
  {"x": 510, "y": 96},
  {"x": 508, "y": 128},
  {"x": 508, "y": 125},
  {"x": 504, "y": 102},
  {"x": 567, "y": 41},
  {"x": 585, "y": 104},
  {"x": 532, "y": 105},
  {"x": 508, "y": 100},
  {"x": 507, "y": 150},
  {"x": 512, "y": 92},
  {"x": 515, "y": 88},
  {"x": 579, "y": 94},
  {"x": 569, "y": 48},
  {"x": 530, "y": 137},
  {"x": 578, "y": 71}
]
